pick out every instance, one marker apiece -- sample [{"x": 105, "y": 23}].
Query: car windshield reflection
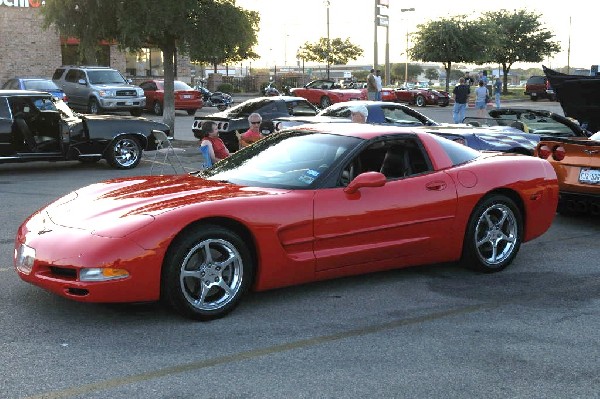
[{"x": 293, "y": 160}]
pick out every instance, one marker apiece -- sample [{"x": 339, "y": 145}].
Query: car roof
[{"x": 23, "y": 93}]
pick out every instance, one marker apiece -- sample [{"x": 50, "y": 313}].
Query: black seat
[
  {"x": 396, "y": 163},
  {"x": 26, "y": 133}
]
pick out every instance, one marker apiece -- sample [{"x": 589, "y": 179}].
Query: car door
[{"x": 405, "y": 220}]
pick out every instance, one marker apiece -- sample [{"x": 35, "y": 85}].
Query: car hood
[
  {"x": 579, "y": 97},
  {"x": 121, "y": 203}
]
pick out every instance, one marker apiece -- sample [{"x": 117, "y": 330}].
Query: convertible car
[
  {"x": 305, "y": 204},
  {"x": 577, "y": 165},
  {"x": 35, "y": 126},
  {"x": 234, "y": 121},
  {"x": 323, "y": 93},
  {"x": 416, "y": 96}
]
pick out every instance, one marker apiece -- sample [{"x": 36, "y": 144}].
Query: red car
[
  {"x": 186, "y": 98},
  {"x": 422, "y": 97},
  {"x": 323, "y": 93},
  {"x": 311, "y": 203}
]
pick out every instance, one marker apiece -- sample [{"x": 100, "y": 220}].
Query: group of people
[
  {"x": 216, "y": 149},
  {"x": 462, "y": 92}
]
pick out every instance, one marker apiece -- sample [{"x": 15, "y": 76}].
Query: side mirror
[
  {"x": 129, "y": 81},
  {"x": 367, "y": 179},
  {"x": 82, "y": 82}
]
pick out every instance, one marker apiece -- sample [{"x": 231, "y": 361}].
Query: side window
[
  {"x": 58, "y": 73},
  {"x": 4, "y": 108},
  {"x": 72, "y": 76}
]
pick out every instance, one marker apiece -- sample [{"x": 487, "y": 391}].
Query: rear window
[
  {"x": 458, "y": 153},
  {"x": 536, "y": 80}
]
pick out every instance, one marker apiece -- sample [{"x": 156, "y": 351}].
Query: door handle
[{"x": 436, "y": 185}]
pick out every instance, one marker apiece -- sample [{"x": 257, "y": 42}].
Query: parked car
[
  {"x": 323, "y": 93},
  {"x": 380, "y": 112},
  {"x": 34, "y": 126},
  {"x": 535, "y": 121},
  {"x": 96, "y": 89},
  {"x": 234, "y": 120},
  {"x": 37, "y": 84},
  {"x": 577, "y": 165},
  {"x": 186, "y": 98},
  {"x": 421, "y": 97},
  {"x": 307, "y": 204},
  {"x": 538, "y": 87}
]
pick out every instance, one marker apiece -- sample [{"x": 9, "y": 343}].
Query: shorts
[{"x": 480, "y": 105}]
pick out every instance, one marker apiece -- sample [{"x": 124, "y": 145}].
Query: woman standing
[
  {"x": 210, "y": 139},
  {"x": 481, "y": 95}
]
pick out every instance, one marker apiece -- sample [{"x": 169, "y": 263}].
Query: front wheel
[
  {"x": 191, "y": 112},
  {"x": 94, "y": 107},
  {"x": 221, "y": 107},
  {"x": 157, "y": 108},
  {"x": 124, "y": 153},
  {"x": 493, "y": 235},
  {"x": 325, "y": 102},
  {"x": 206, "y": 271}
]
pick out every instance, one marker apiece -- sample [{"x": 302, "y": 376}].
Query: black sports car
[
  {"x": 235, "y": 120},
  {"x": 34, "y": 126}
]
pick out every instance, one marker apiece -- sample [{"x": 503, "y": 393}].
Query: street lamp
[
  {"x": 406, "y": 64},
  {"x": 328, "y": 42}
]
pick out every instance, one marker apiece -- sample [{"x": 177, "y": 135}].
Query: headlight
[
  {"x": 102, "y": 274},
  {"x": 24, "y": 258},
  {"x": 140, "y": 92},
  {"x": 107, "y": 93}
]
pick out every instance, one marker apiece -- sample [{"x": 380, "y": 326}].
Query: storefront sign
[{"x": 22, "y": 3}]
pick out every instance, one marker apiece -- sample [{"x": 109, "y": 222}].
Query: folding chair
[
  {"x": 206, "y": 155},
  {"x": 164, "y": 147}
]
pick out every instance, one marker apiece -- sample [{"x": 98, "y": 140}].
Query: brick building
[{"x": 26, "y": 49}]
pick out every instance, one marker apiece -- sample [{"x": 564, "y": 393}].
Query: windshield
[
  {"x": 292, "y": 159},
  {"x": 247, "y": 107},
  {"x": 105, "y": 77},
  {"x": 336, "y": 111}
]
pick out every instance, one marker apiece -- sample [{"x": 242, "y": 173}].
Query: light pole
[
  {"x": 328, "y": 42},
  {"x": 406, "y": 64}
]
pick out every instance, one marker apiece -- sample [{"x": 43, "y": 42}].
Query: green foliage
[
  {"x": 339, "y": 51},
  {"x": 397, "y": 72},
  {"x": 225, "y": 88},
  {"x": 432, "y": 74}
]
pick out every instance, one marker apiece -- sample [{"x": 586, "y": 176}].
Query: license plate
[
  {"x": 186, "y": 96},
  {"x": 128, "y": 102},
  {"x": 589, "y": 176}
]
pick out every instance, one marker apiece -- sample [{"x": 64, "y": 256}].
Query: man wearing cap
[
  {"x": 358, "y": 113},
  {"x": 253, "y": 133}
]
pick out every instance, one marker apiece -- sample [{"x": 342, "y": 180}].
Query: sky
[{"x": 287, "y": 24}]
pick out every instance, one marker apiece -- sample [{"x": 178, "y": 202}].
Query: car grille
[{"x": 126, "y": 93}]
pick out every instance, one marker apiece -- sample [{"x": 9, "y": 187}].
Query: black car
[
  {"x": 35, "y": 126},
  {"x": 235, "y": 120}
]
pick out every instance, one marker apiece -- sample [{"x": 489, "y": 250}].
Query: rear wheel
[
  {"x": 206, "y": 272},
  {"x": 124, "y": 153},
  {"x": 325, "y": 102},
  {"x": 222, "y": 107},
  {"x": 191, "y": 112},
  {"x": 493, "y": 235},
  {"x": 157, "y": 108},
  {"x": 420, "y": 101}
]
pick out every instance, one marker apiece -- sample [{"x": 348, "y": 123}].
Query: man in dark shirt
[{"x": 461, "y": 97}]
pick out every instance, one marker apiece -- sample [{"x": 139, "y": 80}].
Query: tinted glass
[
  {"x": 105, "y": 77},
  {"x": 42, "y": 85},
  {"x": 458, "y": 153}
]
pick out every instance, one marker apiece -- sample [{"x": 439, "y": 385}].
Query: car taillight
[
  {"x": 558, "y": 153},
  {"x": 544, "y": 151}
]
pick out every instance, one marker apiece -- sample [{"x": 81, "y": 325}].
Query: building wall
[{"x": 25, "y": 48}]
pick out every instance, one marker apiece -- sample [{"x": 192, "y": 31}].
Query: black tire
[
  {"x": 93, "y": 107},
  {"x": 205, "y": 272},
  {"x": 191, "y": 112},
  {"x": 493, "y": 236},
  {"x": 325, "y": 102},
  {"x": 221, "y": 107},
  {"x": 420, "y": 101},
  {"x": 124, "y": 152},
  {"x": 534, "y": 98},
  {"x": 157, "y": 108}
]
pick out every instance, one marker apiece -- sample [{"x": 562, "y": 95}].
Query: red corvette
[
  {"x": 186, "y": 98},
  {"x": 323, "y": 93},
  {"x": 311, "y": 203},
  {"x": 422, "y": 97}
]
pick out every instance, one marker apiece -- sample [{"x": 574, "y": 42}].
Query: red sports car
[
  {"x": 310, "y": 203},
  {"x": 186, "y": 98},
  {"x": 422, "y": 97},
  {"x": 323, "y": 93}
]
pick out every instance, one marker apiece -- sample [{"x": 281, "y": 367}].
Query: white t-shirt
[{"x": 378, "y": 82}]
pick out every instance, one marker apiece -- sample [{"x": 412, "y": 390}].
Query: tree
[
  {"x": 432, "y": 74},
  {"x": 447, "y": 40},
  {"x": 336, "y": 51},
  {"x": 399, "y": 70},
  {"x": 518, "y": 36},
  {"x": 166, "y": 24}
]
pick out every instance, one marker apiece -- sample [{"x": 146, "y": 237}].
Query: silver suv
[{"x": 98, "y": 89}]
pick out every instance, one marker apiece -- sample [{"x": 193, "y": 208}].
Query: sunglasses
[{"x": 255, "y": 123}]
